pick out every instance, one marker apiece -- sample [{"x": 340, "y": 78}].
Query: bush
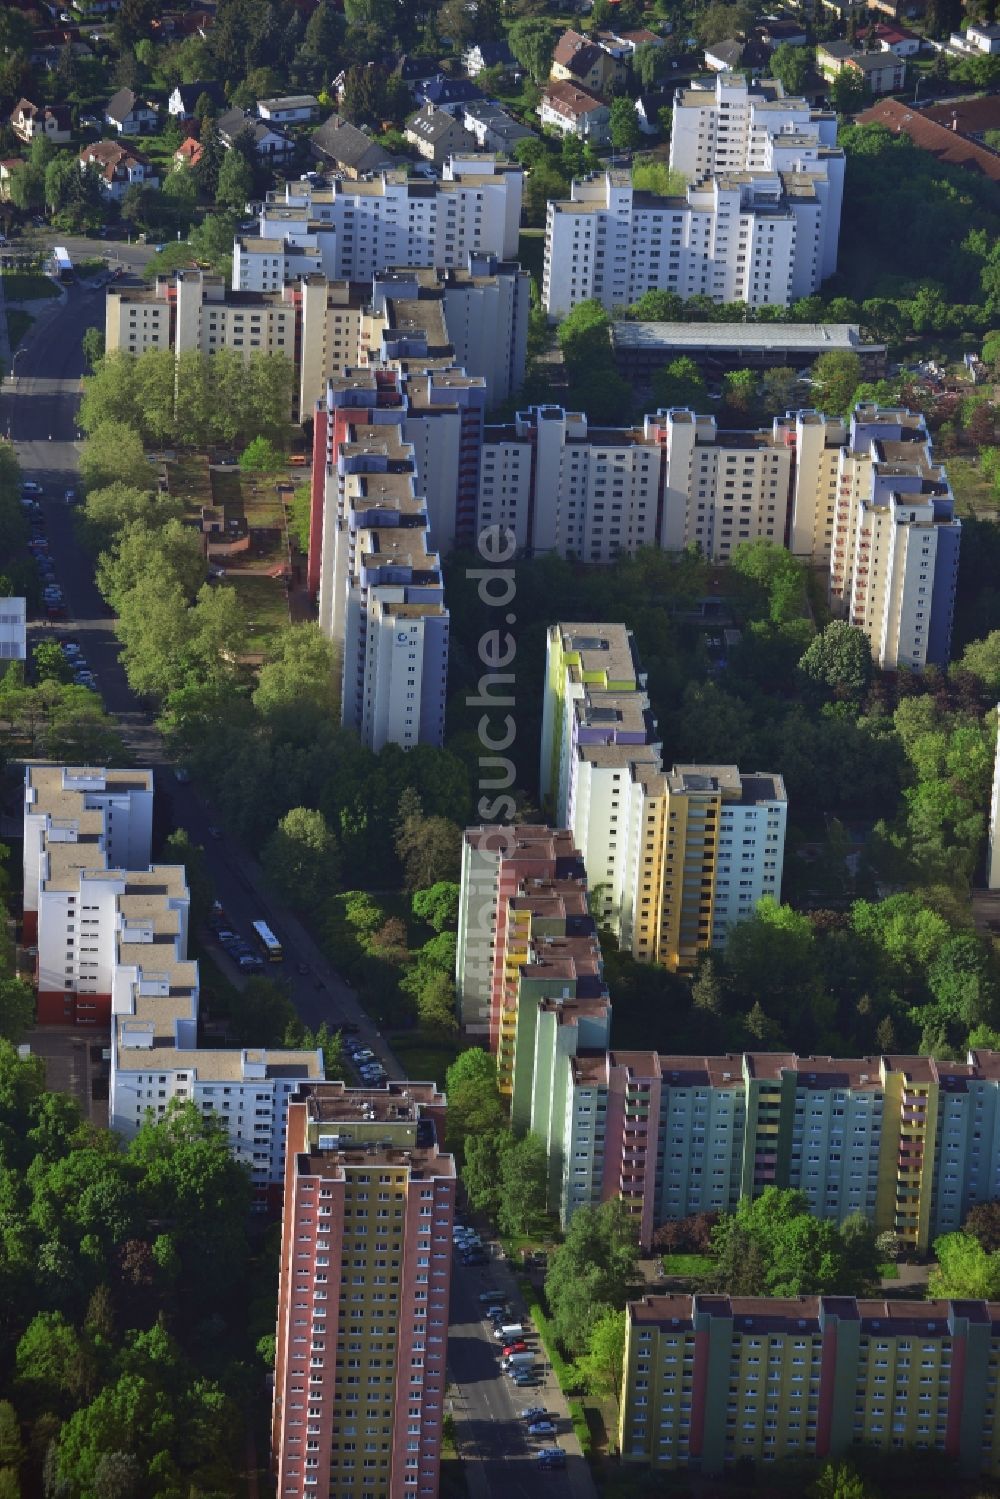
[{"x": 565, "y": 1373}]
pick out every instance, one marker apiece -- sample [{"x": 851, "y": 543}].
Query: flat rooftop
[{"x": 807, "y": 338}]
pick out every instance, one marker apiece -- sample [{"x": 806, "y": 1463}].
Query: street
[{"x": 38, "y": 408}]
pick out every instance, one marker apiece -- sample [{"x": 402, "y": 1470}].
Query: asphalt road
[{"x": 38, "y": 408}]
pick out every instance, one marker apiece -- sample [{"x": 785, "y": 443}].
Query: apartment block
[
  {"x": 324, "y": 326},
  {"x": 353, "y": 230},
  {"x": 595, "y": 494},
  {"x": 365, "y": 1272},
  {"x": 579, "y": 658},
  {"x": 911, "y": 1143},
  {"x": 896, "y": 540},
  {"x": 495, "y": 861},
  {"x": 381, "y": 596},
  {"x": 765, "y": 235},
  {"x": 712, "y": 1380}
]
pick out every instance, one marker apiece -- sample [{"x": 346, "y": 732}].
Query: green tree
[
  {"x": 26, "y": 187},
  {"x": 840, "y": 1482},
  {"x": 624, "y": 124},
  {"x": 772, "y": 958},
  {"x": 776, "y": 392},
  {"x": 93, "y": 347},
  {"x": 261, "y": 456},
  {"x": 11, "y": 1447},
  {"x": 474, "y": 1106},
  {"x": 51, "y": 663},
  {"x": 301, "y": 858},
  {"x": 429, "y": 850},
  {"x": 481, "y": 1171},
  {"x": 171, "y": 552},
  {"x": 113, "y": 455},
  {"x": 17, "y": 1009},
  {"x": 592, "y": 1271},
  {"x": 523, "y": 1185},
  {"x": 982, "y": 659},
  {"x": 53, "y": 1368},
  {"x": 739, "y": 390},
  {"x": 847, "y": 94},
  {"x": 236, "y": 182},
  {"x": 298, "y": 679},
  {"x": 720, "y": 22},
  {"x": 964, "y": 1269},
  {"x": 983, "y": 1223},
  {"x": 790, "y": 65},
  {"x": 603, "y": 1363},
  {"x": 836, "y": 376},
  {"x": 533, "y": 42},
  {"x": 839, "y": 659},
  {"x": 434, "y": 992},
  {"x": 680, "y": 383},
  {"x": 438, "y": 905}
]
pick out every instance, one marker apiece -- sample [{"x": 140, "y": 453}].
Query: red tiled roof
[
  {"x": 570, "y": 99},
  {"x": 972, "y": 116},
  {"x": 944, "y": 144}
]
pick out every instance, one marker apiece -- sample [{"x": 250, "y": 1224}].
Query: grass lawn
[
  {"x": 27, "y": 286},
  {"x": 263, "y": 599},
  {"x": 18, "y": 323},
  {"x": 423, "y": 1059},
  {"x": 687, "y": 1264},
  {"x": 974, "y": 495},
  {"x": 889, "y": 1271}
]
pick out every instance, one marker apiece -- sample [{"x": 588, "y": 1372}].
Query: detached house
[
  {"x": 437, "y": 134},
  {"x": 576, "y": 111},
  {"x": 348, "y": 149},
  {"x": 578, "y": 60},
  {"x": 883, "y": 72},
  {"x": 269, "y": 143},
  {"x": 118, "y": 167},
  {"x": 293, "y": 109},
  {"x": 29, "y": 121},
  {"x": 487, "y": 55},
  {"x": 188, "y": 153},
  {"x": 130, "y": 115}
]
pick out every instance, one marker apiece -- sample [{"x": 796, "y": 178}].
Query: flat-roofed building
[
  {"x": 13, "y": 630},
  {"x": 365, "y": 1271},
  {"x": 641, "y": 349},
  {"x": 841, "y": 1373}
]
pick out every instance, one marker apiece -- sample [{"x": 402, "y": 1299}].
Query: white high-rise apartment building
[
  {"x": 993, "y": 832},
  {"x": 13, "y": 630},
  {"x": 381, "y": 596},
  {"x": 759, "y": 222},
  {"x": 352, "y": 230},
  {"x": 896, "y": 540}
]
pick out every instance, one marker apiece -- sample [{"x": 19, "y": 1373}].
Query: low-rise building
[
  {"x": 118, "y": 168},
  {"x": 588, "y": 63},
  {"x": 291, "y": 109},
  {"x": 943, "y": 138},
  {"x": 977, "y": 40},
  {"x": 127, "y": 113},
  {"x": 29, "y": 121},
  {"x": 888, "y": 38},
  {"x": 269, "y": 143},
  {"x": 642, "y": 349},
  {"x": 13, "y": 631},
  {"x": 450, "y": 94},
  {"x": 481, "y": 55},
  {"x": 437, "y": 134},
  {"x": 492, "y": 128},
  {"x": 574, "y": 110},
  {"x": 840, "y": 1373},
  {"x": 883, "y": 72},
  {"x": 343, "y": 146}
]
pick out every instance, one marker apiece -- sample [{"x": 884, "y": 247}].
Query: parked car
[
  {"x": 518, "y": 1347},
  {"x": 522, "y": 1379},
  {"x": 533, "y": 1413},
  {"x": 70, "y": 497},
  {"x": 541, "y": 1429},
  {"x": 550, "y": 1457},
  {"x": 28, "y": 486},
  {"x": 486, "y": 1297}
]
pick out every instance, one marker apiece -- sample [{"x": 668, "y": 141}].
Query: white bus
[{"x": 268, "y": 942}]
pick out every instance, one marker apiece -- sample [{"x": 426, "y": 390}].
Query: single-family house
[
  {"x": 631, "y": 41},
  {"x": 184, "y": 99},
  {"x": 886, "y": 38},
  {"x": 487, "y": 55},
  {"x": 50, "y": 57},
  {"x": 188, "y": 153},
  {"x": 575, "y": 111},
  {"x": 493, "y": 128},
  {"x": 294, "y": 109},
  {"x": 776, "y": 30},
  {"x": 437, "y": 134},
  {"x": 883, "y": 72},
  {"x": 30, "y": 120},
  {"x": 445, "y": 93},
  {"x": 130, "y": 115},
  {"x": 416, "y": 67},
  {"x": 724, "y": 57},
  {"x": 269, "y": 143},
  {"x": 118, "y": 167},
  {"x": 579, "y": 60},
  {"x": 347, "y": 149}
]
